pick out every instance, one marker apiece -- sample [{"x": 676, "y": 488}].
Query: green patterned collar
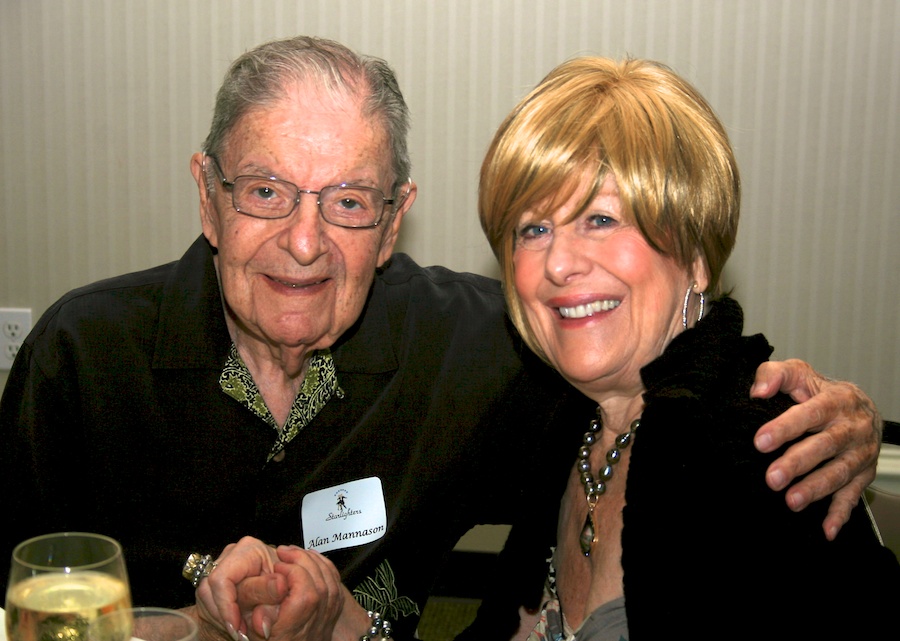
[{"x": 319, "y": 385}]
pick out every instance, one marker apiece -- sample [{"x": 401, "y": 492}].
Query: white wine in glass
[{"x": 60, "y": 583}]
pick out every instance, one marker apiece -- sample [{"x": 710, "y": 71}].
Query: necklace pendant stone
[
  {"x": 594, "y": 489},
  {"x": 586, "y": 540}
]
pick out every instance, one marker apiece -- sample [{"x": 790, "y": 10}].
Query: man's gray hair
[{"x": 261, "y": 77}]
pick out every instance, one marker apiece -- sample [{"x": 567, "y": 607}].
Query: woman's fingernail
[
  {"x": 267, "y": 628},
  {"x": 232, "y": 632}
]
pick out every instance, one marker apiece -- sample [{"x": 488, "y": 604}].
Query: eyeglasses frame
[{"x": 229, "y": 184}]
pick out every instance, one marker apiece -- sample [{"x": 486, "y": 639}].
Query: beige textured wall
[{"x": 102, "y": 103}]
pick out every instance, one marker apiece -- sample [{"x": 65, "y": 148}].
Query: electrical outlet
[{"x": 14, "y": 327}]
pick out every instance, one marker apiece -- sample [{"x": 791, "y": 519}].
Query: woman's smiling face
[{"x": 600, "y": 301}]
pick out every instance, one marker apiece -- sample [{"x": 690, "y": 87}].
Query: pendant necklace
[{"x": 594, "y": 489}]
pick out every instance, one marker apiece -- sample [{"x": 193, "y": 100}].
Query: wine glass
[
  {"x": 59, "y": 583},
  {"x": 146, "y": 624}
]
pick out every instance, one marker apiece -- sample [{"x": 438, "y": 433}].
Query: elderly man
[{"x": 289, "y": 380}]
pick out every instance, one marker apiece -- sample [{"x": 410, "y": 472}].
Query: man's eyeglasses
[{"x": 342, "y": 205}]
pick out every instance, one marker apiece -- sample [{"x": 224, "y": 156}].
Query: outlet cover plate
[{"x": 14, "y": 327}]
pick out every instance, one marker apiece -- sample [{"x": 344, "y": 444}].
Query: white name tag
[{"x": 344, "y": 515}]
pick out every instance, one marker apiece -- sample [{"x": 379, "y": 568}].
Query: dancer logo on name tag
[{"x": 344, "y": 516}]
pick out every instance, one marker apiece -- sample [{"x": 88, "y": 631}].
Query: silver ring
[{"x": 198, "y": 567}]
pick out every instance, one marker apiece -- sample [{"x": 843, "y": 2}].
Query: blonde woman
[{"x": 610, "y": 196}]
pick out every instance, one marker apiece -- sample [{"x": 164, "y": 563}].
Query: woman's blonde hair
[{"x": 637, "y": 119}]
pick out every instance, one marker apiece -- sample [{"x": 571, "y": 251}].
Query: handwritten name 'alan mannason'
[{"x": 343, "y": 536}]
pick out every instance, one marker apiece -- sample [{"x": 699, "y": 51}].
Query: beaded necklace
[{"x": 594, "y": 489}]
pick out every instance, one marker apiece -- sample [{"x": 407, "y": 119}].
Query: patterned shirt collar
[{"x": 319, "y": 385}]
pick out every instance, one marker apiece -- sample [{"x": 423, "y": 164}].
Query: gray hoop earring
[{"x": 687, "y": 298}]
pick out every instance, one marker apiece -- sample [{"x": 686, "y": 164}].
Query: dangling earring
[{"x": 687, "y": 298}]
